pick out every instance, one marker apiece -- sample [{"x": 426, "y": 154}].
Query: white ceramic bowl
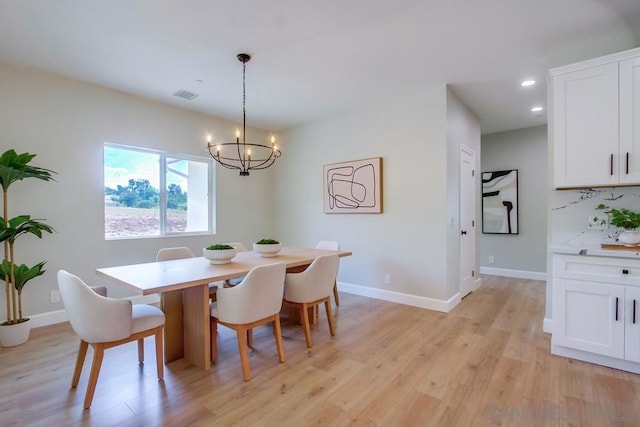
[
  {"x": 219, "y": 256},
  {"x": 267, "y": 251}
]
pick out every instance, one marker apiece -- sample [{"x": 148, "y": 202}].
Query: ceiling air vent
[{"x": 185, "y": 94}]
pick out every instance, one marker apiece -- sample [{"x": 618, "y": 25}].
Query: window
[{"x": 150, "y": 193}]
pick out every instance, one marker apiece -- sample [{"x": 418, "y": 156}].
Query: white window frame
[{"x": 163, "y": 155}]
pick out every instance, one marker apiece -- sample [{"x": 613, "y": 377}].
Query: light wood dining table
[{"x": 184, "y": 288}]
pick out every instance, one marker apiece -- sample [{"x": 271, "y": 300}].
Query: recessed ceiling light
[
  {"x": 528, "y": 83},
  {"x": 536, "y": 109}
]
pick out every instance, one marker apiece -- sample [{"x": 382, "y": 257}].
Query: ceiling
[{"x": 315, "y": 59}]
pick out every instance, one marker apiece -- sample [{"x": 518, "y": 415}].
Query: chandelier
[{"x": 242, "y": 155}]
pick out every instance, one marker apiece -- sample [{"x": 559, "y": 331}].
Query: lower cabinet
[
  {"x": 596, "y": 307},
  {"x": 589, "y": 316}
]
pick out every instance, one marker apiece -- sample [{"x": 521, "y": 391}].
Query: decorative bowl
[
  {"x": 219, "y": 256},
  {"x": 267, "y": 251}
]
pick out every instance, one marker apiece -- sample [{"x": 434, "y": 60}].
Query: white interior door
[{"x": 467, "y": 220}]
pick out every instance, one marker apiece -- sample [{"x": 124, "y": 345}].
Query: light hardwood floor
[{"x": 486, "y": 363}]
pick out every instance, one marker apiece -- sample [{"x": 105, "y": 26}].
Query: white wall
[
  {"x": 410, "y": 239},
  {"x": 65, "y": 122},
  {"x": 526, "y": 252}
]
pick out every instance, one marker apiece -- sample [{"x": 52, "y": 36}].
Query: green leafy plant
[
  {"x": 267, "y": 242},
  {"x": 623, "y": 218},
  {"x": 218, "y": 247},
  {"x": 15, "y": 167}
]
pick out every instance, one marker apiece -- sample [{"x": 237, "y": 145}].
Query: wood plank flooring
[{"x": 487, "y": 363}]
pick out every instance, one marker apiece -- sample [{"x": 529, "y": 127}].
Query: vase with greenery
[
  {"x": 267, "y": 247},
  {"x": 219, "y": 253},
  {"x": 626, "y": 219},
  {"x": 15, "y": 167}
]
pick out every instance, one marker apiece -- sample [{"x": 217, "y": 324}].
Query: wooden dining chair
[
  {"x": 310, "y": 288},
  {"x": 103, "y": 323},
  {"x": 333, "y": 246},
  {"x": 255, "y": 301}
]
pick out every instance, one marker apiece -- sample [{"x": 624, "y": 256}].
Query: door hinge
[
  {"x": 473, "y": 223},
  {"x": 473, "y": 173},
  {"x": 473, "y": 273}
]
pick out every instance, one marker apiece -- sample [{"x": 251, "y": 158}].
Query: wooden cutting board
[{"x": 619, "y": 247}]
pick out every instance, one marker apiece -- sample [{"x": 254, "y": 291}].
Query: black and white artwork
[
  {"x": 500, "y": 202},
  {"x": 353, "y": 187}
]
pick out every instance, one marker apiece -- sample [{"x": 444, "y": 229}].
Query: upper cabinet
[
  {"x": 629, "y": 165},
  {"x": 596, "y": 122}
]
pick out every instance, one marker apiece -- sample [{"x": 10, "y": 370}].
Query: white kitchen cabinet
[
  {"x": 596, "y": 309},
  {"x": 632, "y": 325},
  {"x": 595, "y": 122},
  {"x": 629, "y": 166},
  {"x": 589, "y": 316}
]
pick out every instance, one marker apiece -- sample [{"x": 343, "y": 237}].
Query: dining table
[{"x": 183, "y": 286}]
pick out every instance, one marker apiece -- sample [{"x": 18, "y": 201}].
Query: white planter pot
[
  {"x": 629, "y": 237},
  {"x": 12, "y": 335},
  {"x": 219, "y": 256},
  {"x": 267, "y": 251}
]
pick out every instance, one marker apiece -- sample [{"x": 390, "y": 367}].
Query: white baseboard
[
  {"x": 547, "y": 325},
  {"x": 400, "y": 298},
  {"x": 59, "y": 316},
  {"x": 518, "y": 274}
]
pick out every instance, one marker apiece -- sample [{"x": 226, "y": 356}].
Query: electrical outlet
[
  {"x": 599, "y": 222},
  {"x": 387, "y": 279},
  {"x": 54, "y": 297},
  {"x": 491, "y": 259}
]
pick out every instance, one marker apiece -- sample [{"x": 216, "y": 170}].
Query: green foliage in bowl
[
  {"x": 623, "y": 218},
  {"x": 218, "y": 247},
  {"x": 267, "y": 242}
]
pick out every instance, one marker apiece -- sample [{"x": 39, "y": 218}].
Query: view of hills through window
[{"x": 150, "y": 193}]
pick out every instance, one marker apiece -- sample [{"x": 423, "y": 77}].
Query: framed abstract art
[
  {"x": 500, "y": 202},
  {"x": 353, "y": 187}
]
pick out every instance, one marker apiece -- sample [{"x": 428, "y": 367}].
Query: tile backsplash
[{"x": 575, "y": 220}]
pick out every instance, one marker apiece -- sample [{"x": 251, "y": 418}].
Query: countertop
[{"x": 592, "y": 250}]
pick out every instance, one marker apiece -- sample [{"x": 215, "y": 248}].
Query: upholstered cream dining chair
[
  {"x": 104, "y": 323},
  {"x": 255, "y": 301},
  {"x": 312, "y": 287},
  {"x": 182, "y": 252},
  {"x": 333, "y": 246}
]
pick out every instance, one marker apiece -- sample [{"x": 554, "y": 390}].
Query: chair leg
[
  {"x": 214, "y": 339},
  {"x": 98, "y": 354},
  {"x": 250, "y": 337},
  {"x": 141, "y": 351},
  {"x": 244, "y": 354},
  {"x": 277, "y": 331},
  {"x": 327, "y": 308},
  {"x": 159, "y": 354},
  {"x": 335, "y": 293},
  {"x": 305, "y": 324},
  {"x": 82, "y": 352}
]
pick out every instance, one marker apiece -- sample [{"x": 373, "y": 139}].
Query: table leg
[
  {"x": 195, "y": 317},
  {"x": 171, "y": 304}
]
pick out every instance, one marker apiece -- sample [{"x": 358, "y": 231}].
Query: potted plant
[
  {"x": 627, "y": 219},
  {"x": 15, "y": 167},
  {"x": 267, "y": 248},
  {"x": 219, "y": 253}
]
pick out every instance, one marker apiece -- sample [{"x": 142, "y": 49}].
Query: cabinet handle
[
  {"x": 634, "y": 312},
  {"x": 625, "y": 271},
  {"x": 617, "y": 300},
  {"x": 627, "y": 163},
  {"x": 611, "y": 165}
]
